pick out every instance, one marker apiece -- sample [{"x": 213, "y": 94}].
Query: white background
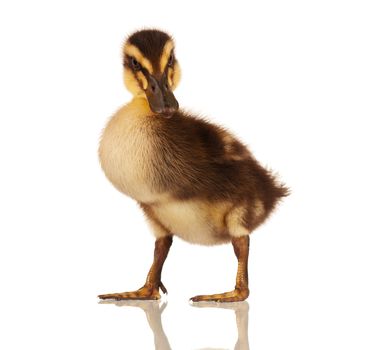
[{"x": 295, "y": 80}]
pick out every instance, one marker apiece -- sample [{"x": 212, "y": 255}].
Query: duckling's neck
[{"x": 139, "y": 106}]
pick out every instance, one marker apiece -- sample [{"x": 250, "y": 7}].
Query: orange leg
[
  {"x": 241, "y": 291},
  {"x": 150, "y": 291}
]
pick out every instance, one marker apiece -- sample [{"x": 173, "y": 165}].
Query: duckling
[{"x": 191, "y": 178}]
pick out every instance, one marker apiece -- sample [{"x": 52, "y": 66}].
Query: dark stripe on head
[{"x": 151, "y": 43}]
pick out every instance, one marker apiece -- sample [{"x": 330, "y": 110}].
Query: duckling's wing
[{"x": 198, "y": 158}]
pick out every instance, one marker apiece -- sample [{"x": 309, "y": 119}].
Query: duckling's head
[{"x": 151, "y": 70}]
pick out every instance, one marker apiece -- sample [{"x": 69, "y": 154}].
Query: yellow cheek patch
[
  {"x": 170, "y": 74},
  {"x": 165, "y": 55},
  {"x": 142, "y": 79},
  {"x": 175, "y": 76},
  {"x": 133, "y": 51},
  {"x": 131, "y": 83}
]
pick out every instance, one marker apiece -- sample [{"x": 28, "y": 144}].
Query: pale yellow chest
[{"x": 126, "y": 152}]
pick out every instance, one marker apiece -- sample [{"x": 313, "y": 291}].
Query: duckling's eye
[
  {"x": 171, "y": 60},
  {"x": 135, "y": 64}
]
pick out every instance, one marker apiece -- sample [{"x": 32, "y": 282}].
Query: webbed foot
[
  {"x": 238, "y": 294},
  {"x": 144, "y": 293}
]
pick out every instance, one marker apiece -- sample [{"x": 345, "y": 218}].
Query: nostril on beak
[
  {"x": 153, "y": 87},
  {"x": 167, "y": 104}
]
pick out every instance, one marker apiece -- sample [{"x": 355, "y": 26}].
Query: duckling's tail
[{"x": 281, "y": 190}]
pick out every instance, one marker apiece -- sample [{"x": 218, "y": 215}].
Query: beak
[{"x": 160, "y": 97}]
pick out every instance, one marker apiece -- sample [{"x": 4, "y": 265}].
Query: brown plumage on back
[{"x": 192, "y": 179}]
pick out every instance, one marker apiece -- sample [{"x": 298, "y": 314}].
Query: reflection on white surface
[
  {"x": 154, "y": 309},
  {"x": 241, "y": 313}
]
